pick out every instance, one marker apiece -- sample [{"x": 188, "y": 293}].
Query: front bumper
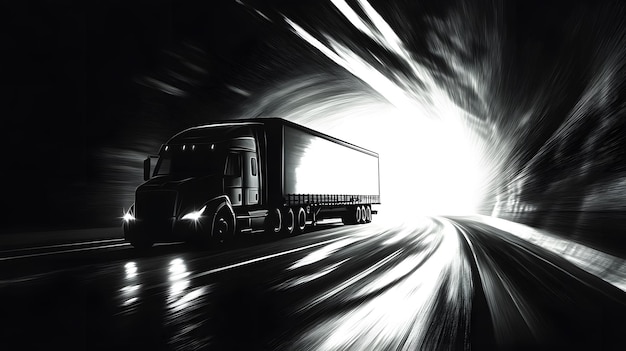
[{"x": 165, "y": 230}]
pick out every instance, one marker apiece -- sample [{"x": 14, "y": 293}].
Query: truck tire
[
  {"x": 368, "y": 214},
  {"x": 300, "y": 221},
  {"x": 289, "y": 221},
  {"x": 358, "y": 216},
  {"x": 223, "y": 228}
]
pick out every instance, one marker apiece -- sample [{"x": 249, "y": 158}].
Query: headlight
[
  {"x": 195, "y": 215},
  {"x": 129, "y": 216}
]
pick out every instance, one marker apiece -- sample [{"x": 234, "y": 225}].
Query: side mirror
[{"x": 146, "y": 168}]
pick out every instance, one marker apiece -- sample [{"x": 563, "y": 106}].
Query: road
[{"x": 434, "y": 284}]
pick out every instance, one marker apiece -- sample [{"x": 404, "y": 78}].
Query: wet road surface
[{"x": 439, "y": 283}]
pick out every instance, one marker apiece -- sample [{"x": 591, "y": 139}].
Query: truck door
[
  {"x": 250, "y": 178},
  {"x": 233, "y": 178}
]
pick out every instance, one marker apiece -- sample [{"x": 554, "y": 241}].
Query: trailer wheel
[
  {"x": 363, "y": 215},
  {"x": 358, "y": 214},
  {"x": 368, "y": 214},
  {"x": 301, "y": 220},
  {"x": 290, "y": 221}
]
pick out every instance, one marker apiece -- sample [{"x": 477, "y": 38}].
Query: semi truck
[{"x": 214, "y": 182}]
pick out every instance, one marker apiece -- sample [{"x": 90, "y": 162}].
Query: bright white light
[
  {"x": 131, "y": 270},
  {"x": 178, "y": 286},
  {"x": 428, "y": 165},
  {"x": 130, "y": 301},
  {"x": 131, "y": 288},
  {"x": 431, "y": 162},
  {"x": 187, "y": 299},
  {"x": 318, "y": 173},
  {"x": 178, "y": 270},
  {"x": 195, "y": 215},
  {"x": 128, "y": 216}
]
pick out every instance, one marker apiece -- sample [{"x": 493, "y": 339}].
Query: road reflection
[
  {"x": 183, "y": 308},
  {"x": 180, "y": 295},
  {"x": 129, "y": 293}
]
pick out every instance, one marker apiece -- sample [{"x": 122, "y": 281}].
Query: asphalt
[{"x": 436, "y": 283}]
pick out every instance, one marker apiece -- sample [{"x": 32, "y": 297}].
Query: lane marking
[
  {"x": 61, "y": 245},
  {"x": 263, "y": 258},
  {"x": 63, "y": 252},
  {"x": 209, "y": 272},
  {"x": 78, "y": 250}
]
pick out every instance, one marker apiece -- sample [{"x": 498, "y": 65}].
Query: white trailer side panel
[{"x": 316, "y": 165}]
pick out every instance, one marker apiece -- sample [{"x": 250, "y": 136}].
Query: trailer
[{"x": 214, "y": 182}]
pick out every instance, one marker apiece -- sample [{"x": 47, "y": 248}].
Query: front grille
[{"x": 156, "y": 204}]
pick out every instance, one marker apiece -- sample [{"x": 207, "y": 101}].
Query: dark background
[{"x": 90, "y": 88}]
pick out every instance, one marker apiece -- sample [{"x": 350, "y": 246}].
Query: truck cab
[{"x": 202, "y": 181}]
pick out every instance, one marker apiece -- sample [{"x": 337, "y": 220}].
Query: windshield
[{"x": 190, "y": 160}]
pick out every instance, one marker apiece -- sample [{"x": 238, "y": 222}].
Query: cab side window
[{"x": 233, "y": 165}]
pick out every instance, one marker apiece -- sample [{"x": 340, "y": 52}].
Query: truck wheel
[
  {"x": 358, "y": 215},
  {"x": 368, "y": 214},
  {"x": 301, "y": 220},
  {"x": 363, "y": 215},
  {"x": 289, "y": 223},
  {"x": 223, "y": 227}
]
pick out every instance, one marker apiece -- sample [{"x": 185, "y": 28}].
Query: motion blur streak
[
  {"x": 322, "y": 253},
  {"x": 610, "y": 268},
  {"x": 423, "y": 226},
  {"x": 291, "y": 283},
  {"x": 509, "y": 311},
  {"x": 420, "y": 133},
  {"x": 404, "y": 301},
  {"x": 264, "y": 258}
]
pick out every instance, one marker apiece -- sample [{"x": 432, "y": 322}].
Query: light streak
[
  {"x": 400, "y": 317},
  {"x": 323, "y": 253},
  {"x": 311, "y": 277},
  {"x": 430, "y": 162}
]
